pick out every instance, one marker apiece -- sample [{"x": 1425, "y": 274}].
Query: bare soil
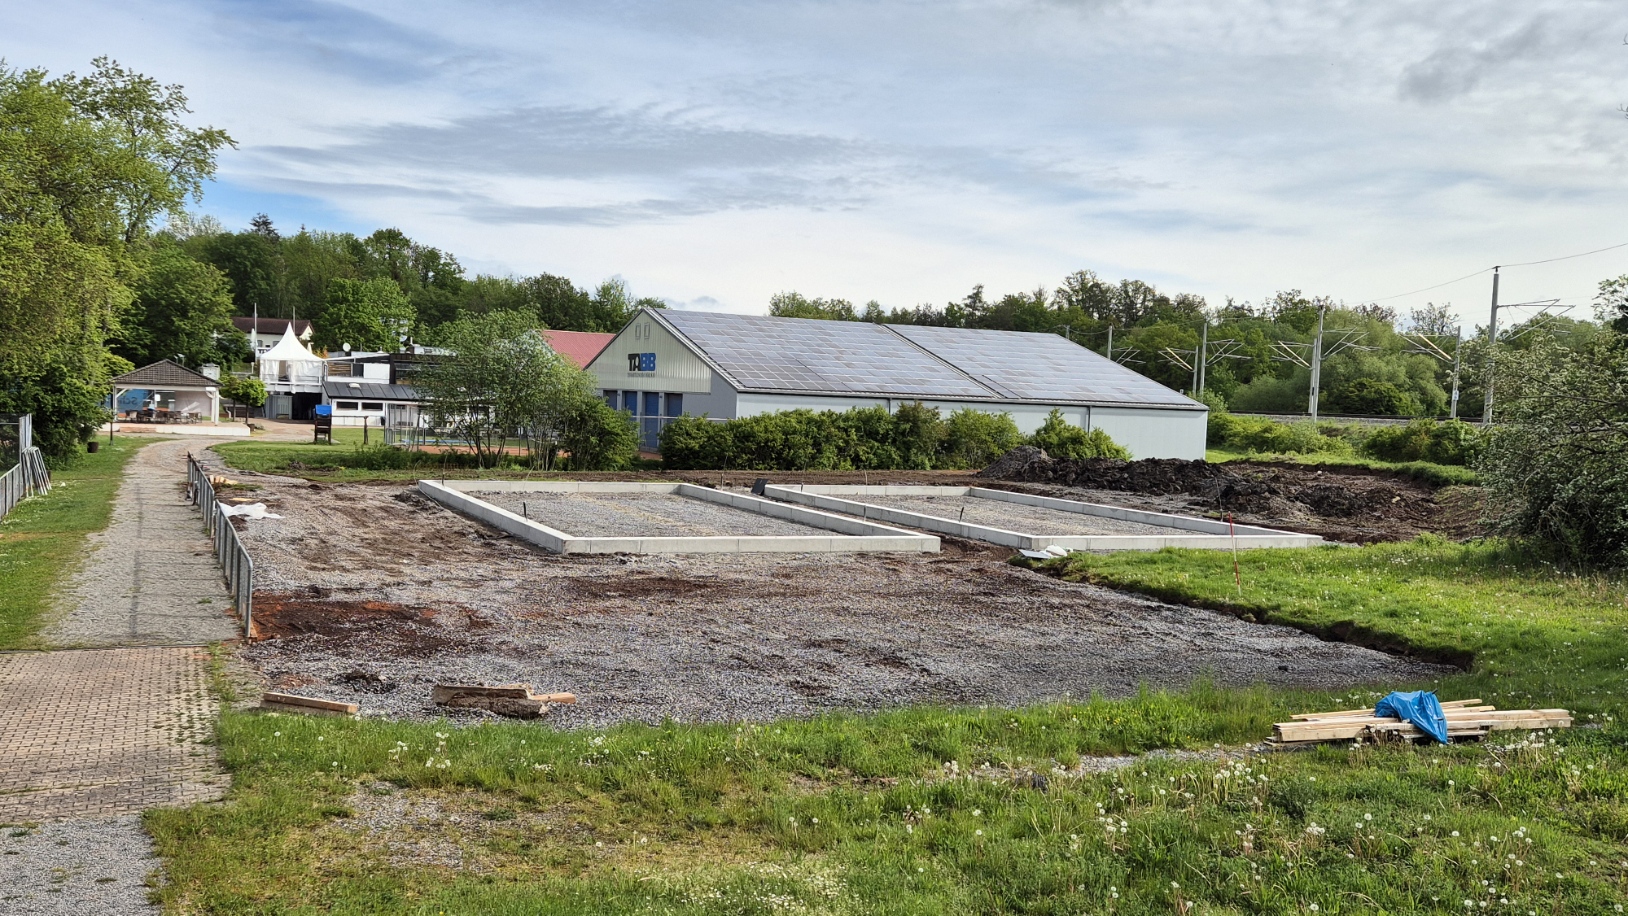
[{"x": 372, "y": 594}]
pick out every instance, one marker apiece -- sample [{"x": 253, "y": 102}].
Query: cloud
[{"x": 1452, "y": 71}]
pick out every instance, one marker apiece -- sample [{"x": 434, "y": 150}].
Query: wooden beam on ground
[
  {"x": 289, "y": 702},
  {"x": 513, "y": 700}
]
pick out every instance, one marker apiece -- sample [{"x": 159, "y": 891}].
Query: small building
[
  {"x": 263, "y": 333},
  {"x": 360, "y": 401},
  {"x": 293, "y": 377},
  {"x": 667, "y": 363},
  {"x": 168, "y": 393}
]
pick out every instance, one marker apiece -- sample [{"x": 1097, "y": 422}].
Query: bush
[
  {"x": 1263, "y": 436},
  {"x": 249, "y": 391},
  {"x": 973, "y": 439},
  {"x": 1450, "y": 442},
  {"x": 1371, "y": 397},
  {"x": 913, "y": 437},
  {"x": 596, "y": 437},
  {"x": 1061, "y": 439}
]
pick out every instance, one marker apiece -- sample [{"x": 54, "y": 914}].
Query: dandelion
[{"x": 977, "y": 833}]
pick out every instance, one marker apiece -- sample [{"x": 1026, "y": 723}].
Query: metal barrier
[
  {"x": 27, "y": 478},
  {"x": 234, "y": 560}
]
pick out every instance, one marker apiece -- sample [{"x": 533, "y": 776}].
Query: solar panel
[
  {"x": 796, "y": 354},
  {"x": 1040, "y": 367}
]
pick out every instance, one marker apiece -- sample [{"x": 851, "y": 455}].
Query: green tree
[
  {"x": 364, "y": 314},
  {"x": 796, "y": 305},
  {"x": 183, "y": 308},
  {"x": 1061, "y": 439}
]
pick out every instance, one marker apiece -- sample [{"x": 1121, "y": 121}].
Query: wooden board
[
  {"x": 294, "y": 701},
  {"x": 1460, "y": 721}
]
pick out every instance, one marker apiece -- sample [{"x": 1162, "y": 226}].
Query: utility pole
[
  {"x": 1492, "y": 347},
  {"x": 1203, "y": 352},
  {"x": 1317, "y": 364},
  {"x": 1458, "y": 350},
  {"x": 1110, "y": 343}
]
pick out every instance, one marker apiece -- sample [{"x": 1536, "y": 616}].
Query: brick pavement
[{"x": 105, "y": 732}]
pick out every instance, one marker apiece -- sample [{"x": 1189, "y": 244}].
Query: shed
[
  {"x": 176, "y": 393},
  {"x": 667, "y": 363},
  {"x": 360, "y": 402}
]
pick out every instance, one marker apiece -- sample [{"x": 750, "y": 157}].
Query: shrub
[
  {"x": 1061, "y": 439},
  {"x": 1371, "y": 397},
  {"x": 973, "y": 438},
  {"x": 1260, "y": 435},
  {"x": 248, "y": 391},
  {"x": 1450, "y": 442},
  {"x": 596, "y": 437}
]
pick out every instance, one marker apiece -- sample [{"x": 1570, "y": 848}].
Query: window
[
  {"x": 630, "y": 401},
  {"x": 675, "y": 404},
  {"x": 652, "y": 404},
  {"x": 610, "y": 399},
  {"x": 372, "y": 405},
  {"x": 345, "y": 405}
]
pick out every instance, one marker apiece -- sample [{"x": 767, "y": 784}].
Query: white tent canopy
[{"x": 289, "y": 366}]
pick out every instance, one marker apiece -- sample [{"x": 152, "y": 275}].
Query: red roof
[{"x": 579, "y": 347}]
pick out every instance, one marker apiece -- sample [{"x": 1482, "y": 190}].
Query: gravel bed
[
  {"x": 994, "y": 513},
  {"x": 640, "y": 515},
  {"x": 376, "y": 612},
  {"x": 76, "y": 868}
]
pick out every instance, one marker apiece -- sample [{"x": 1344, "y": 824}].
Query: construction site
[{"x": 727, "y": 597}]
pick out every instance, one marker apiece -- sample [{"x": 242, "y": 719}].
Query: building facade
[{"x": 668, "y": 363}]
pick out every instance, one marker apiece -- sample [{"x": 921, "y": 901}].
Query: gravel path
[
  {"x": 640, "y": 515},
  {"x": 994, "y": 513},
  {"x": 376, "y": 613},
  {"x": 149, "y": 578},
  {"x": 76, "y": 868}
]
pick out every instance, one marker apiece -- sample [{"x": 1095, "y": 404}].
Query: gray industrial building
[{"x": 668, "y": 362}]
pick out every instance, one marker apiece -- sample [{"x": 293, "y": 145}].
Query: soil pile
[{"x": 1343, "y": 504}]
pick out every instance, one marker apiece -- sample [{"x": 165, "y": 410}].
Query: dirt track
[{"x": 371, "y": 593}]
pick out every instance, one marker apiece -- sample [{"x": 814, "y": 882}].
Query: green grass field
[
  {"x": 41, "y": 540},
  {"x": 1426, "y": 471},
  {"x": 930, "y": 810}
]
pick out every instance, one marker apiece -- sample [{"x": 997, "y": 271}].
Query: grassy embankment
[
  {"x": 1444, "y": 475},
  {"x": 42, "y": 540},
  {"x": 348, "y": 461},
  {"x": 917, "y": 811}
]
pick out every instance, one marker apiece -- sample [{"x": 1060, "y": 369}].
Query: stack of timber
[
  {"x": 1466, "y": 720},
  {"x": 513, "y": 700}
]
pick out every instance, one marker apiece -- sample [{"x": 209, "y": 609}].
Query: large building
[{"x": 667, "y": 363}]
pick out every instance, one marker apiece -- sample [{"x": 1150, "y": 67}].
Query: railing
[
  {"x": 234, "y": 560},
  {"x": 27, "y": 478}
]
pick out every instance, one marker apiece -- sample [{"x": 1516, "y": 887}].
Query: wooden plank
[
  {"x": 1463, "y": 720},
  {"x": 442, "y": 693},
  {"x": 299, "y": 702},
  {"x": 1368, "y": 711}
]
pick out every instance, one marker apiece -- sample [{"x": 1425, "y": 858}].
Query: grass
[
  {"x": 346, "y": 461},
  {"x": 1443, "y": 475},
  {"x": 41, "y": 540},
  {"x": 933, "y": 810}
]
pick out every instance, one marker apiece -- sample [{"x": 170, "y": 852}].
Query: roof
[
  {"x": 761, "y": 353},
  {"x": 373, "y": 391},
  {"x": 289, "y": 349},
  {"x": 165, "y": 375},
  {"x": 579, "y": 347},
  {"x": 272, "y": 325}
]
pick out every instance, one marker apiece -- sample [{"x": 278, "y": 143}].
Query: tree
[
  {"x": 1555, "y": 468},
  {"x": 249, "y": 391},
  {"x": 1433, "y": 320},
  {"x": 1061, "y": 439},
  {"x": 796, "y": 305},
  {"x": 1611, "y": 304},
  {"x": 363, "y": 314},
  {"x": 182, "y": 308},
  {"x": 87, "y": 165}
]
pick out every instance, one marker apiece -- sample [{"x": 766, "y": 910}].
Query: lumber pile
[
  {"x": 513, "y": 700},
  {"x": 1466, "y": 720},
  {"x": 311, "y": 706}
]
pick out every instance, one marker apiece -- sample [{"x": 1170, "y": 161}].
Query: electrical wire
[
  {"x": 1478, "y": 273},
  {"x": 1429, "y": 288},
  {"x": 1567, "y": 257}
]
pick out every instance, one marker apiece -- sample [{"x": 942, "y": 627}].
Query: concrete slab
[
  {"x": 851, "y": 534},
  {"x": 1184, "y": 531}
]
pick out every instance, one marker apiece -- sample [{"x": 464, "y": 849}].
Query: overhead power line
[{"x": 1568, "y": 257}]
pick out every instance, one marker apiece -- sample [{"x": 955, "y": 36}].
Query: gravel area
[
  {"x": 640, "y": 515},
  {"x": 76, "y": 868},
  {"x": 372, "y": 594},
  {"x": 994, "y": 513}
]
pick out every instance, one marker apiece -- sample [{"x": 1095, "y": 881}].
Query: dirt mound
[{"x": 1337, "y": 503}]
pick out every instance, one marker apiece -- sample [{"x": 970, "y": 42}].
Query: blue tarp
[
  {"x": 1419, "y": 707},
  {"x": 323, "y": 410}
]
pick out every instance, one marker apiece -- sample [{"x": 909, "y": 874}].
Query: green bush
[
  {"x": 1371, "y": 397},
  {"x": 249, "y": 391},
  {"x": 1061, "y": 439},
  {"x": 974, "y": 439},
  {"x": 598, "y": 438},
  {"x": 1450, "y": 442},
  {"x": 1264, "y": 436},
  {"x": 864, "y": 438}
]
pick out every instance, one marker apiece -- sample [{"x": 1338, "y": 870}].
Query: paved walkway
[
  {"x": 150, "y": 578},
  {"x": 89, "y": 738}
]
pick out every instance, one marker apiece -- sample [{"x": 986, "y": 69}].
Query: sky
[{"x": 715, "y": 153}]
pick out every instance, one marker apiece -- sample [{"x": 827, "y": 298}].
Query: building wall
[{"x": 1155, "y": 433}]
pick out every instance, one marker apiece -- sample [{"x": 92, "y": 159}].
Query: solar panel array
[
  {"x": 760, "y": 352},
  {"x": 792, "y": 354},
  {"x": 1040, "y": 367}
]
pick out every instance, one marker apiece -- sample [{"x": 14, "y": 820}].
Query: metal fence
[
  {"x": 234, "y": 560},
  {"x": 25, "y": 473}
]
